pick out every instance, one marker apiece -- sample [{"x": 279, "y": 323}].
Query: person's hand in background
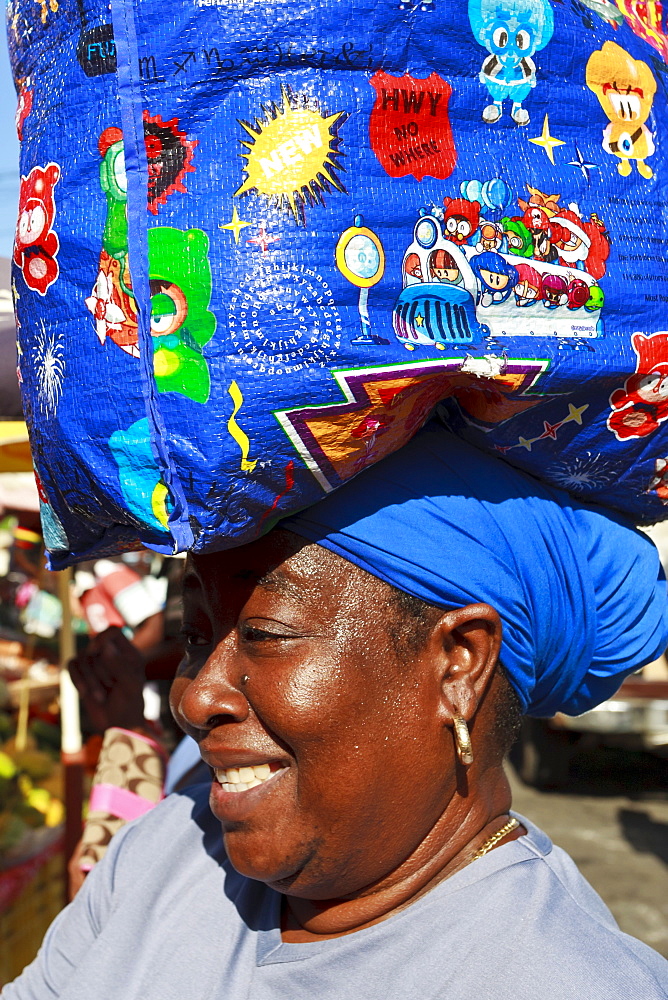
[{"x": 110, "y": 676}]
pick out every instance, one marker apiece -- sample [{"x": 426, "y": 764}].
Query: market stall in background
[
  {"x": 31, "y": 786},
  {"x": 47, "y": 761},
  {"x": 32, "y": 812}
]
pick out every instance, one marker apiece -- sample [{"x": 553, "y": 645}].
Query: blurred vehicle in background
[{"x": 636, "y": 718}]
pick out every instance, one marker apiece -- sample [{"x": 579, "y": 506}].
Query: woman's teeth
[{"x": 240, "y": 779}]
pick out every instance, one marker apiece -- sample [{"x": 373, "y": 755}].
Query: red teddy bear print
[
  {"x": 639, "y": 408},
  {"x": 36, "y": 244}
]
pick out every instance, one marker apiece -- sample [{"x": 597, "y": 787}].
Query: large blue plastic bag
[{"x": 258, "y": 242}]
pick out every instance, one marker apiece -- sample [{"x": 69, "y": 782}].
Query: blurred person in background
[{"x": 136, "y": 622}]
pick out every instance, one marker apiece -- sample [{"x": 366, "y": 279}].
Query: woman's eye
[
  {"x": 194, "y": 639},
  {"x": 249, "y": 633}
]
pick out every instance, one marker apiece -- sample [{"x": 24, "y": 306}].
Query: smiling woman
[
  {"x": 354, "y": 680},
  {"x": 351, "y": 737}
]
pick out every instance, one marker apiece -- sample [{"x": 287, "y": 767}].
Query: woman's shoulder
[{"x": 557, "y": 927}]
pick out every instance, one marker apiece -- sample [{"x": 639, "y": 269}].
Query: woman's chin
[{"x": 258, "y": 856}]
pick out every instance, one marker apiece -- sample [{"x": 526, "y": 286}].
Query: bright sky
[{"x": 9, "y": 154}]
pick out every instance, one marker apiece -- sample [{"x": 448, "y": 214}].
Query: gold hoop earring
[{"x": 462, "y": 740}]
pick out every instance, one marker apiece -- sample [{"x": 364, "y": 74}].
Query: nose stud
[{"x": 245, "y": 678}]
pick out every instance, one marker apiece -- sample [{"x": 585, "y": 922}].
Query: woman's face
[{"x": 354, "y": 766}]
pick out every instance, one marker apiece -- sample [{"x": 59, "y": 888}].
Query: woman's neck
[{"x": 451, "y": 844}]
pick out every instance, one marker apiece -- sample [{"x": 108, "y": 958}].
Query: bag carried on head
[{"x": 258, "y": 243}]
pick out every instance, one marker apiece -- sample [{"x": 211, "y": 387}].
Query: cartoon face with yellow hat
[{"x": 625, "y": 88}]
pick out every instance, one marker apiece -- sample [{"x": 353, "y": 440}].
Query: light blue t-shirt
[{"x": 166, "y": 917}]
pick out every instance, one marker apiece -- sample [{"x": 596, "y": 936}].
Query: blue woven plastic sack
[{"x": 258, "y": 242}]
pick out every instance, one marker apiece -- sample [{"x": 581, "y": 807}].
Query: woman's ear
[{"x": 464, "y": 648}]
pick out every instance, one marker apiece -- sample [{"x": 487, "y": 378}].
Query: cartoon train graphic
[{"x": 459, "y": 295}]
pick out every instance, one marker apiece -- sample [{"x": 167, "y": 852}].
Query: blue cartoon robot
[{"x": 511, "y": 31}]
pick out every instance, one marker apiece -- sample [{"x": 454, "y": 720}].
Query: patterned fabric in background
[
  {"x": 128, "y": 782},
  {"x": 259, "y": 241}
]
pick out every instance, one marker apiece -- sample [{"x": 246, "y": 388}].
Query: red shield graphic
[{"x": 409, "y": 127}]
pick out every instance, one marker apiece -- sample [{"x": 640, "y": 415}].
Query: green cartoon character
[
  {"x": 181, "y": 323},
  {"x": 113, "y": 182},
  {"x": 518, "y": 237},
  {"x": 596, "y": 298}
]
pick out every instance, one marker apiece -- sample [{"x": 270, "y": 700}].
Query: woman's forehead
[{"x": 280, "y": 562}]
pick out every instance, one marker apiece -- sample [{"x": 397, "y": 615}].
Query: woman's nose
[{"x": 211, "y": 698}]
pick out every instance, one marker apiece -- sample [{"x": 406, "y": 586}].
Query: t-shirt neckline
[{"x": 272, "y": 950}]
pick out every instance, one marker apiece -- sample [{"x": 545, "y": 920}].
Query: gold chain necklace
[{"x": 492, "y": 841}]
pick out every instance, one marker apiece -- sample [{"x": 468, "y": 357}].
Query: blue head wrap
[{"x": 581, "y": 594}]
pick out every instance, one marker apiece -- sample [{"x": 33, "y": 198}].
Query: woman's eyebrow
[{"x": 274, "y": 580}]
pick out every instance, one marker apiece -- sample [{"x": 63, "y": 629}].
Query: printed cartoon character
[
  {"x": 113, "y": 305},
  {"x": 497, "y": 278},
  {"x": 518, "y": 237},
  {"x": 443, "y": 267},
  {"x": 578, "y": 293},
  {"x": 599, "y": 251},
  {"x": 413, "y": 267},
  {"x": 582, "y": 244},
  {"x": 169, "y": 154},
  {"x": 659, "y": 484},
  {"x": 528, "y": 289},
  {"x": 112, "y": 301},
  {"x": 625, "y": 88},
  {"x": 555, "y": 291},
  {"x": 538, "y": 214},
  {"x": 639, "y": 408},
  {"x": 543, "y": 248},
  {"x": 144, "y": 493},
  {"x": 181, "y": 323},
  {"x": 596, "y": 298},
  {"x": 491, "y": 236},
  {"x": 536, "y": 219},
  {"x": 114, "y": 183},
  {"x": 538, "y": 199},
  {"x": 575, "y": 243},
  {"x": 23, "y": 109},
  {"x": 460, "y": 219},
  {"x": 511, "y": 31},
  {"x": 36, "y": 245}
]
